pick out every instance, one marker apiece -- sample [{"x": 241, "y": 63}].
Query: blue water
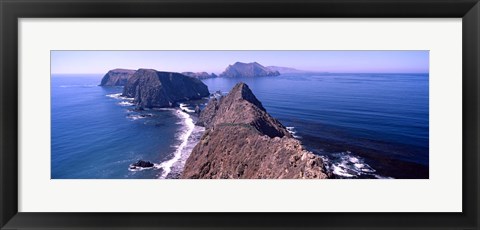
[
  {"x": 95, "y": 136},
  {"x": 364, "y": 125}
]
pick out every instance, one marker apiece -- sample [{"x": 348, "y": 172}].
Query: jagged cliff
[
  {"x": 151, "y": 88},
  {"x": 116, "y": 77},
  {"x": 253, "y": 69},
  {"x": 243, "y": 141}
]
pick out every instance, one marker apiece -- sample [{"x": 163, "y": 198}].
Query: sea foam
[
  {"x": 126, "y": 103},
  {"x": 187, "y": 138},
  {"x": 347, "y": 165},
  {"x": 119, "y": 96},
  {"x": 184, "y": 107},
  {"x": 114, "y": 95},
  {"x": 292, "y": 131}
]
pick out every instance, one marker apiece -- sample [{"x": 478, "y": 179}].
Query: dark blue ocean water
[
  {"x": 368, "y": 125},
  {"x": 96, "y": 134},
  {"x": 364, "y": 125}
]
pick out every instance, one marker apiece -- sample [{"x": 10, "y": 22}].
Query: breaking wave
[
  {"x": 114, "y": 95},
  {"x": 347, "y": 165},
  {"x": 184, "y": 107},
  {"x": 119, "y": 96},
  {"x": 292, "y": 131}
]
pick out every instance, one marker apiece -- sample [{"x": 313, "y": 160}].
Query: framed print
[{"x": 265, "y": 114}]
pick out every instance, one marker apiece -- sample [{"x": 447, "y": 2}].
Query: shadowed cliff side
[
  {"x": 243, "y": 141},
  {"x": 151, "y": 88}
]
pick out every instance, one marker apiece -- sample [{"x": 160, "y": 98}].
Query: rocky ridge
[{"x": 243, "y": 141}]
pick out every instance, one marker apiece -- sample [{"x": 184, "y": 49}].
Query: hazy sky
[{"x": 78, "y": 62}]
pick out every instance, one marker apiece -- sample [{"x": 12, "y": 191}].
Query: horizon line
[{"x": 325, "y": 72}]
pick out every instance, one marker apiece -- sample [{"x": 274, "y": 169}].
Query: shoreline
[{"x": 188, "y": 136}]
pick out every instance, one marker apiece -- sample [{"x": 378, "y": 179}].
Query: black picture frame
[{"x": 12, "y": 10}]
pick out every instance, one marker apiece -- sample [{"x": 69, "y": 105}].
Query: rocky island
[
  {"x": 243, "y": 141},
  {"x": 151, "y": 88},
  {"x": 253, "y": 69},
  {"x": 200, "y": 75},
  {"x": 117, "y": 77}
]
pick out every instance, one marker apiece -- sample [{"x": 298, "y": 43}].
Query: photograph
[
  {"x": 239, "y": 114},
  {"x": 225, "y": 113}
]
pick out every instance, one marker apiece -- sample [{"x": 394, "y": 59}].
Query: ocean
[{"x": 363, "y": 125}]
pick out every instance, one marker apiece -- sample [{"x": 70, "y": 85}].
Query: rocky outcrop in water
[
  {"x": 253, "y": 69},
  {"x": 200, "y": 75},
  {"x": 243, "y": 141},
  {"x": 117, "y": 77},
  {"x": 143, "y": 164},
  {"x": 151, "y": 88}
]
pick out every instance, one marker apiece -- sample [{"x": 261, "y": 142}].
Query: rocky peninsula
[
  {"x": 243, "y": 141},
  {"x": 254, "y": 69},
  {"x": 116, "y": 77},
  {"x": 151, "y": 88}
]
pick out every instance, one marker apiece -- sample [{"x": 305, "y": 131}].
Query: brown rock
[
  {"x": 240, "y": 106},
  {"x": 243, "y": 141}
]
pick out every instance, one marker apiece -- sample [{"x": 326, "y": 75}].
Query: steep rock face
[
  {"x": 117, "y": 77},
  {"x": 151, "y": 88},
  {"x": 240, "y": 106},
  {"x": 199, "y": 75},
  {"x": 253, "y": 69},
  {"x": 243, "y": 141}
]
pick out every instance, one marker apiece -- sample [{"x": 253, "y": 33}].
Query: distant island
[
  {"x": 254, "y": 69},
  {"x": 120, "y": 77}
]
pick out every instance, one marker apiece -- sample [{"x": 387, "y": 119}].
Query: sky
[{"x": 90, "y": 62}]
